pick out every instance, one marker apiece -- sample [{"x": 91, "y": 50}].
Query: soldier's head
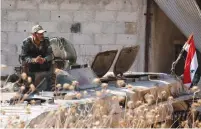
[{"x": 38, "y": 32}]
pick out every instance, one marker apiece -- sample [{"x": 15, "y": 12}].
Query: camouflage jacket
[{"x": 30, "y": 50}]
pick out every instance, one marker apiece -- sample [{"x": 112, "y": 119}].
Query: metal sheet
[{"x": 186, "y": 15}]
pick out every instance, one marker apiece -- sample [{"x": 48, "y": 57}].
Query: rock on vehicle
[{"x": 117, "y": 92}]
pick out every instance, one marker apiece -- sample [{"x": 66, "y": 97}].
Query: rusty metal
[{"x": 148, "y": 15}]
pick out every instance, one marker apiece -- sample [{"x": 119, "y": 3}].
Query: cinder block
[
  {"x": 19, "y": 48},
  {"x": 80, "y": 60},
  {"x": 61, "y": 16},
  {"x": 4, "y": 15},
  {"x": 8, "y": 4},
  {"x": 27, "y": 4},
  {"x": 111, "y": 47},
  {"x": 92, "y": 27},
  {"x": 83, "y": 39},
  {"x": 85, "y": 60},
  {"x": 48, "y": 5},
  {"x": 113, "y": 27},
  {"x": 119, "y": 27},
  {"x": 130, "y": 28},
  {"x": 109, "y": 27},
  {"x": 88, "y": 60},
  {"x": 91, "y": 5},
  {"x": 9, "y": 48},
  {"x": 114, "y": 5},
  {"x": 67, "y": 36},
  {"x": 16, "y": 37},
  {"x": 127, "y": 16},
  {"x": 49, "y": 26},
  {"x": 77, "y": 49},
  {"x": 81, "y": 16},
  {"x": 40, "y": 16},
  {"x": 3, "y": 52},
  {"x": 126, "y": 39},
  {"x": 70, "y": 5},
  {"x": 105, "y": 16},
  {"x": 89, "y": 50},
  {"x": 13, "y": 59},
  {"x": 3, "y": 59},
  {"x": 17, "y": 15},
  {"x": 131, "y": 5},
  {"x": 7, "y": 71},
  {"x": 4, "y": 37},
  {"x": 64, "y": 26},
  {"x": 104, "y": 39},
  {"x": 25, "y": 26},
  {"x": 8, "y": 26}
]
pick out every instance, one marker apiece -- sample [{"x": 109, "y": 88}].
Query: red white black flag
[{"x": 191, "y": 63}]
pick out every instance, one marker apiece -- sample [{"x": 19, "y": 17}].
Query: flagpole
[
  {"x": 175, "y": 62},
  {"x": 179, "y": 57}
]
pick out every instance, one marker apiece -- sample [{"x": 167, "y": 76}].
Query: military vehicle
[{"x": 139, "y": 87}]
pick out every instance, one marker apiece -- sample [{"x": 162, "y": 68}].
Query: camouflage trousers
[{"x": 43, "y": 81}]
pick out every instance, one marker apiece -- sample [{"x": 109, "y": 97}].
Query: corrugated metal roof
[{"x": 186, "y": 15}]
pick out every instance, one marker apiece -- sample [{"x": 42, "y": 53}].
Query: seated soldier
[{"x": 37, "y": 57}]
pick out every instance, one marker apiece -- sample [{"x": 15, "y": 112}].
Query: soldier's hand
[
  {"x": 42, "y": 60},
  {"x": 38, "y": 58},
  {"x": 34, "y": 60}
]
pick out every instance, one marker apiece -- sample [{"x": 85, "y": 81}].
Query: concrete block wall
[{"x": 105, "y": 25}]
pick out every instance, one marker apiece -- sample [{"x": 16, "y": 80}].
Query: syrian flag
[{"x": 191, "y": 63}]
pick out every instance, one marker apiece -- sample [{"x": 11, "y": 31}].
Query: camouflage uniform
[{"x": 31, "y": 51}]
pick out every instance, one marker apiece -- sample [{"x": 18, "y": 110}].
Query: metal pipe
[{"x": 148, "y": 15}]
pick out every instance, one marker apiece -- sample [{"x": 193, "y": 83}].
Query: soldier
[{"x": 37, "y": 57}]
